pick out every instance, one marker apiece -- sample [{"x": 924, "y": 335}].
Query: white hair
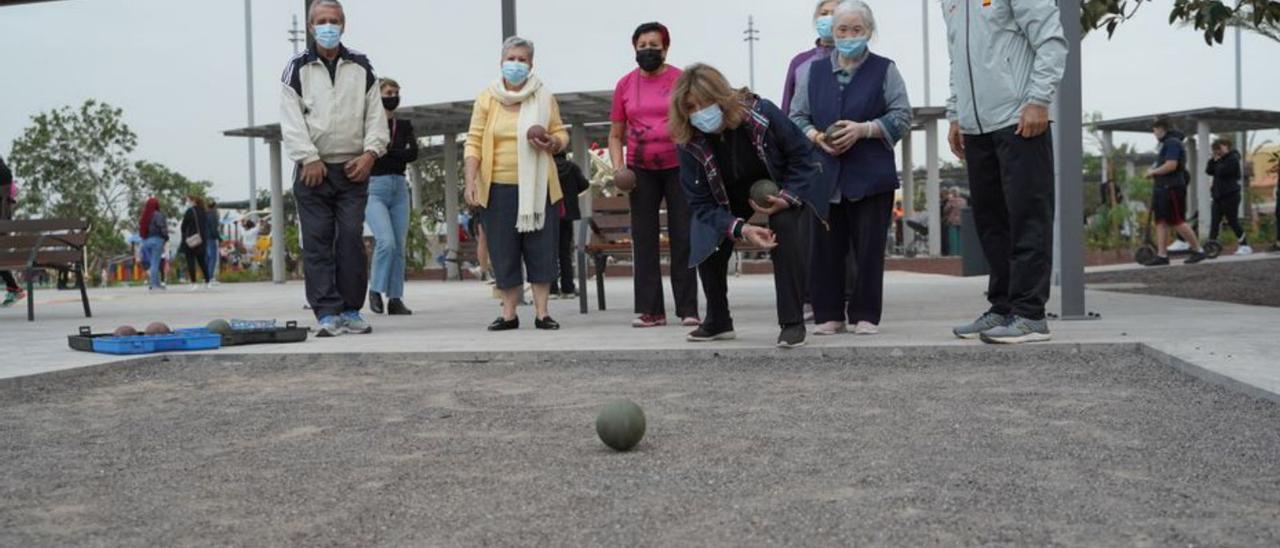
[
  {"x": 517, "y": 42},
  {"x": 311, "y": 13},
  {"x": 859, "y": 8}
]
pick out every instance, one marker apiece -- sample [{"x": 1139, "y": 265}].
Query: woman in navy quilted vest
[{"x": 853, "y": 105}]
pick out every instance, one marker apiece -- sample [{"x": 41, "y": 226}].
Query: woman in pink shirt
[{"x": 640, "y": 107}]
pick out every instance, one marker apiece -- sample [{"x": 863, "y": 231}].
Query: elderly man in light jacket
[
  {"x": 1007, "y": 59},
  {"x": 334, "y": 127}
]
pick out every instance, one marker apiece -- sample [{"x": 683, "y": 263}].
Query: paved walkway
[{"x": 1234, "y": 342}]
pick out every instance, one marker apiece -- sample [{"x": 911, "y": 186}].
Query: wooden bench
[
  {"x": 607, "y": 233},
  {"x": 45, "y": 243},
  {"x": 466, "y": 254}
]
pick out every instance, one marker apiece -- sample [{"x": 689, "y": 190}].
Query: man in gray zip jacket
[{"x": 1007, "y": 59}]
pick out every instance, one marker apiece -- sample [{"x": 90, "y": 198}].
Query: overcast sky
[{"x": 177, "y": 67}]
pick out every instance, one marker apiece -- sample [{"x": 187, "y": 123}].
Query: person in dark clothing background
[
  {"x": 1224, "y": 167},
  {"x": 573, "y": 183},
  {"x": 214, "y": 224},
  {"x": 13, "y": 291},
  {"x": 1169, "y": 193},
  {"x": 387, "y": 212},
  {"x": 195, "y": 234}
]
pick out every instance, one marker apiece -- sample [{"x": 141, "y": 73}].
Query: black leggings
[
  {"x": 10, "y": 283},
  {"x": 194, "y": 258},
  {"x": 1228, "y": 208}
]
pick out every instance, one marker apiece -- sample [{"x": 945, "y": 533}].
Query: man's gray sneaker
[
  {"x": 353, "y": 322},
  {"x": 989, "y": 320},
  {"x": 329, "y": 326},
  {"x": 1019, "y": 330}
]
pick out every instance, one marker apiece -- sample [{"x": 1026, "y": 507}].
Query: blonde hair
[{"x": 703, "y": 85}]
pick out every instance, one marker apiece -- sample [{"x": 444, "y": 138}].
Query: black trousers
[
  {"x": 196, "y": 258},
  {"x": 652, "y": 188},
  {"x": 566, "y": 284},
  {"x": 332, "y": 217},
  {"x": 1011, "y": 180},
  {"x": 1226, "y": 208},
  {"x": 788, "y": 274},
  {"x": 858, "y": 230}
]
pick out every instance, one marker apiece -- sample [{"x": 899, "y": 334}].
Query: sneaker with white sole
[
  {"x": 827, "y": 329},
  {"x": 974, "y": 329},
  {"x": 329, "y": 326},
  {"x": 1019, "y": 330},
  {"x": 792, "y": 336},
  {"x": 353, "y": 322},
  {"x": 1179, "y": 246},
  {"x": 703, "y": 334},
  {"x": 649, "y": 320},
  {"x": 1244, "y": 250},
  {"x": 866, "y": 328}
]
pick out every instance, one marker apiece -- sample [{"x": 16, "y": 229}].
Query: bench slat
[
  {"x": 43, "y": 225},
  {"x": 10, "y": 259},
  {"x": 27, "y": 241}
]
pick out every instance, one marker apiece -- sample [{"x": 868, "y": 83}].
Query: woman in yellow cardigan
[{"x": 511, "y": 176}]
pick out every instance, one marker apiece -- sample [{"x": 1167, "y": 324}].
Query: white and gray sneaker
[
  {"x": 988, "y": 320},
  {"x": 1019, "y": 330},
  {"x": 353, "y": 322},
  {"x": 329, "y": 326}
]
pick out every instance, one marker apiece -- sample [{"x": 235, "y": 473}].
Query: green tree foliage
[
  {"x": 1211, "y": 17},
  {"x": 75, "y": 163}
]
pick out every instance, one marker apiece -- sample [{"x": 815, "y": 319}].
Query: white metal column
[
  {"x": 278, "y": 274},
  {"x": 451, "y": 265},
  {"x": 908, "y": 190},
  {"x": 1203, "y": 205},
  {"x": 933, "y": 186}
]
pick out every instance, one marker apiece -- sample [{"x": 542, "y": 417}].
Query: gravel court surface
[
  {"x": 1250, "y": 282},
  {"x": 1049, "y": 445}
]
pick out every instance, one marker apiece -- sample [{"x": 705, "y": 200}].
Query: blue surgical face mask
[
  {"x": 515, "y": 72},
  {"x": 824, "y": 25},
  {"x": 328, "y": 36},
  {"x": 851, "y": 47},
  {"x": 708, "y": 120}
]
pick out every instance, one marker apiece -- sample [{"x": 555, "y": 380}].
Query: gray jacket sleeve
[
  {"x": 1039, "y": 21},
  {"x": 800, "y": 113},
  {"x": 897, "y": 121}
]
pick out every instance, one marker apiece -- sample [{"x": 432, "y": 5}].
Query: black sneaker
[
  {"x": 396, "y": 307},
  {"x": 1158, "y": 261},
  {"x": 505, "y": 325},
  {"x": 705, "y": 334},
  {"x": 1195, "y": 257},
  {"x": 792, "y": 336},
  {"x": 375, "y": 303},
  {"x": 546, "y": 324}
]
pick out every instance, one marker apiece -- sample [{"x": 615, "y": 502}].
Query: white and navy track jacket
[{"x": 332, "y": 115}]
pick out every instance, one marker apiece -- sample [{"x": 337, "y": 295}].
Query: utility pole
[
  {"x": 296, "y": 35},
  {"x": 508, "y": 18},
  {"x": 924, "y": 18},
  {"x": 1070, "y": 155},
  {"x": 1242, "y": 138},
  {"x": 751, "y": 37},
  {"x": 248, "y": 68}
]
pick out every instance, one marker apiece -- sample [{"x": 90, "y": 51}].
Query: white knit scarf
[{"x": 534, "y": 164}]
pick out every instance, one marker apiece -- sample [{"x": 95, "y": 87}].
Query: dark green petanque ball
[
  {"x": 831, "y": 132},
  {"x": 221, "y": 327},
  {"x": 621, "y": 425},
  {"x": 761, "y": 191}
]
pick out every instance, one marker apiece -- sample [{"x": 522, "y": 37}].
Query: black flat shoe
[
  {"x": 375, "y": 303},
  {"x": 396, "y": 307},
  {"x": 546, "y": 324},
  {"x": 505, "y": 325}
]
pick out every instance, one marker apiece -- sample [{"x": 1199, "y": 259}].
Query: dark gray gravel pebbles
[{"x": 1053, "y": 445}]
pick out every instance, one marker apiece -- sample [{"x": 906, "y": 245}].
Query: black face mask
[
  {"x": 650, "y": 59},
  {"x": 391, "y": 103}
]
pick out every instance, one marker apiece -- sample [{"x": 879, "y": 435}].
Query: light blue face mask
[
  {"x": 328, "y": 36},
  {"x": 708, "y": 120},
  {"x": 824, "y": 25},
  {"x": 851, "y": 47},
  {"x": 515, "y": 72}
]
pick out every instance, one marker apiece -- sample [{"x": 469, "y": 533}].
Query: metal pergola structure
[{"x": 1205, "y": 122}]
